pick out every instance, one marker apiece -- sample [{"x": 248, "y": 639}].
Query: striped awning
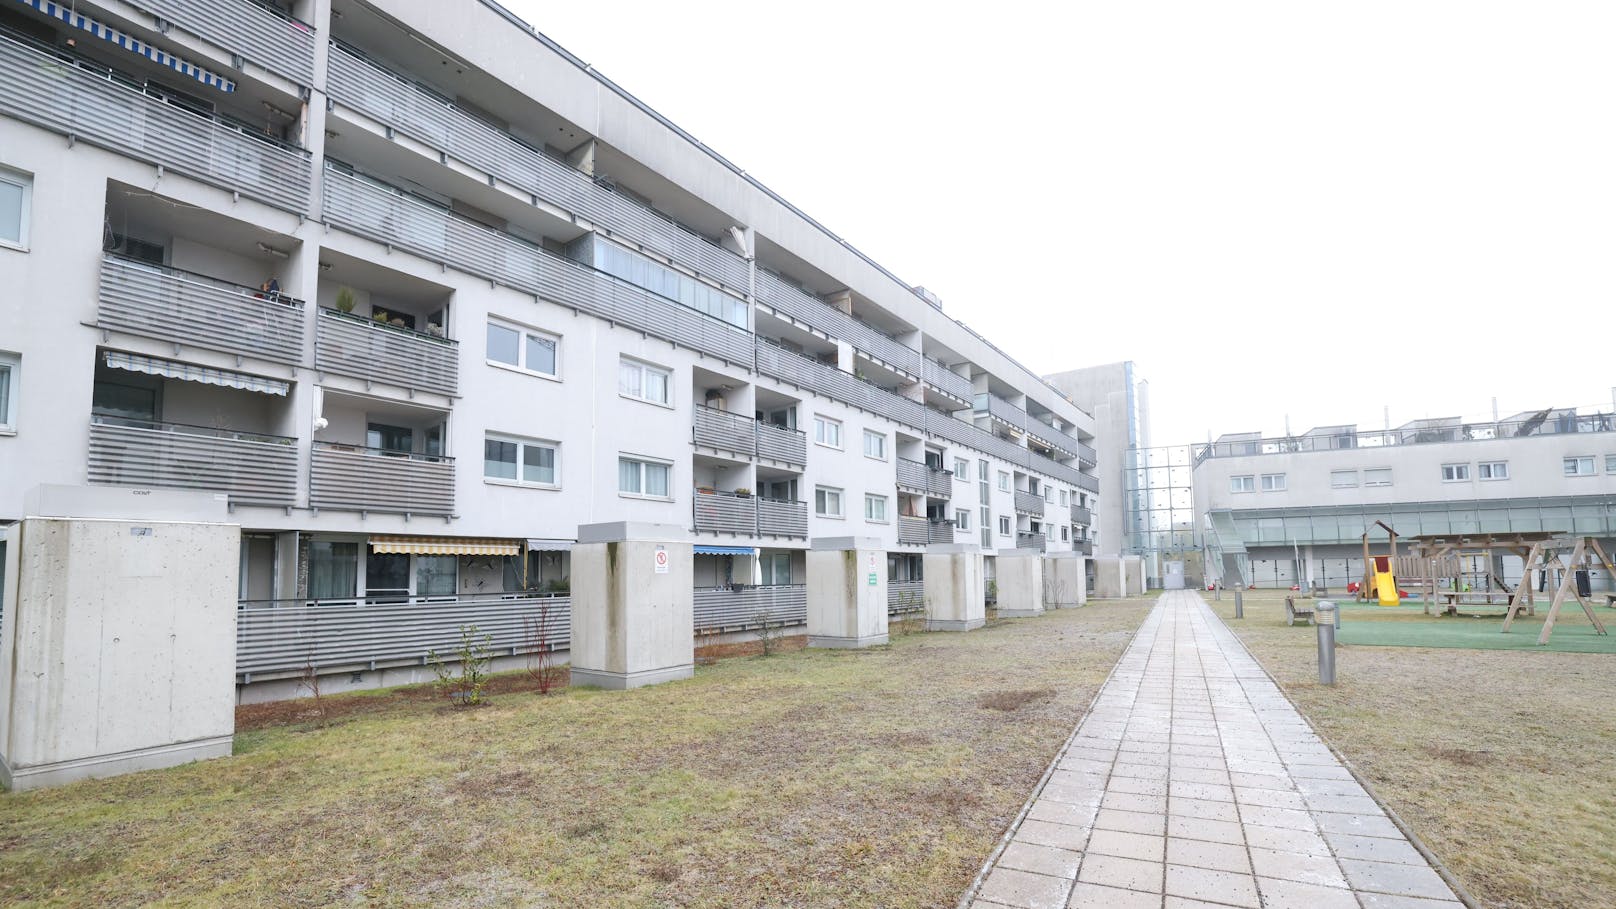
[
  {"x": 130, "y": 43},
  {"x": 537, "y": 545},
  {"x": 445, "y": 546},
  {"x": 724, "y": 550},
  {"x": 190, "y": 372}
]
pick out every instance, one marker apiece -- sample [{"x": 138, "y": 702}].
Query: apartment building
[
  {"x": 1293, "y": 510},
  {"x": 419, "y": 294}
]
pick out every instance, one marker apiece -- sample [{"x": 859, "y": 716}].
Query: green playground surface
[{"x": 1474, "y": 628}]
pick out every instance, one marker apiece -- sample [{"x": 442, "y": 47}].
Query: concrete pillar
[
  {"x": 1134, "y": 581},
  {"x": 1065, "y": 580},
  {"x": 117, "y": 635},
  {"x": 1021, "y": 583},
  {"x": 847, "y": 592},
  {"x": 954, "y": 592},
  {"x": 633, "y": 615},
  {"x": 1109, "y": 578}
]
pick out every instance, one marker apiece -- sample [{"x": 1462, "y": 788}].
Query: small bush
[
  {"x": 769, "y": 632},
  {"x": 465, "y": 689}
]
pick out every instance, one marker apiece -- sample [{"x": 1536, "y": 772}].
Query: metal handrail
[
  {"x": 383, "y": 452},
  {"x": 377, "y": 325},
  {"x": 268, "y": 297},
  {"x": 212, "y": 432}
]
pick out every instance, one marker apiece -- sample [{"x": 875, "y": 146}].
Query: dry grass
[
  {"x": 1504, "y": 762},
  {"x": 810, "y": 778}
]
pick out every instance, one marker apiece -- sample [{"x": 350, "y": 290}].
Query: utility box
[{"x": 117, "y": 634}]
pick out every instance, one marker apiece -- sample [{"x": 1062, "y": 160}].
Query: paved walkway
[{"x": 1194, "y": 783}]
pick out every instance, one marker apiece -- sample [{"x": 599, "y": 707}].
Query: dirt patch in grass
[
  {"x": 712, "y": 653},
  {"x": 812, "y": 778},
  {"x": 333, "y": 708},
  {"x": 1504, "y": 762},
  {"x": 1014, "y": 700}
]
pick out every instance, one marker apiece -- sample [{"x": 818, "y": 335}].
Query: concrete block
[
  {"x": 1065, "y": 580},
  {"x": 117, "y": 646},
  {"x": 633, "y": 611},
  {"x": 955, "y": 599},
  {"x": 1109, "y": 578},
  {"x": 847, "y": 592},
  {"x": 1134, "y": 569},
  {"x": 1021, "y": 583}
]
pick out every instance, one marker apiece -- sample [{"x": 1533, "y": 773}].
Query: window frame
[
  {"x": 1243, "y": 484},
  {"x": 523, "y": 333},
  {"x": 1578, "y": 460},
  {"x": 1268, "y": 483},
  {"x": 1336, "y": 475},
  {"x": 1005, "y": 528},
  {"x": 841, "y": 502},
  {"x": 1491, "y": 471},
  {"x": 962, "y": 519},
  {"x": 881, "y": 438},
  {"x": 1004, "y": 481},
  {"x": 523, "y": 443},
  {"x": 11, "y": 365},
  {"x": 644, "y": 367},
  {"x": 1368, "y": 483},
  {"x": 823, "y": 422},
  {"x": 25, "y": 182},
  {"x": 643, "y": 461},
  {"x": 870, "y": 498},
  {"x": 962, "y": 470},
  {"x": 1458, "y": 472}
]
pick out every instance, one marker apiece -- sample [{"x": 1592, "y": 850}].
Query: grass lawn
[
  {"x": 809, "y": 778},
  {"x": 1503, "y": 761}
]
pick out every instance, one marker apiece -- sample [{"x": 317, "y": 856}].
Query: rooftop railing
[{"x": 1547, "y": 423}]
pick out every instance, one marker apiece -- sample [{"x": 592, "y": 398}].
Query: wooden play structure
[
  {"x": 1571, "y": 556},
  {"x": 1466, "y": 570},
  {"x": 1379, "y": 575}
]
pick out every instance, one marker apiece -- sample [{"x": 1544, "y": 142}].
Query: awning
[
  {"x": 445, "y": 546},
  {"x": 725, "y": 550},
  {"x": 131, "y": 43},
  {"x": 192, "y": 373},
  {"x": 536, "y": 545}
]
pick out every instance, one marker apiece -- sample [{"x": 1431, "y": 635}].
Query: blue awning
[
  {"x": 725, "y": 550},
  {"x": 130, "y": 43}
]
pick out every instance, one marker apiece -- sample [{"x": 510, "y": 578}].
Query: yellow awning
[{"x": 445, "y": 546}]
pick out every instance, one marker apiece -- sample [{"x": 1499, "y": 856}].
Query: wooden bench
[{"x": 1294, "y": 611}]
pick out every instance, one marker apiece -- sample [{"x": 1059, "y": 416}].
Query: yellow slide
[{"x": 1385, "y": 584}]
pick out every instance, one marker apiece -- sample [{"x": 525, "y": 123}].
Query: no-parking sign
[{"x": 661, "y": 560}]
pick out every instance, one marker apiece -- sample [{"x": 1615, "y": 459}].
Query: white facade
[{"x": 139, "y": 252}]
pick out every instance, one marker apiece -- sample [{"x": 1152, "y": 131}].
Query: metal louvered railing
[
  {"x": 278, "y": 43},
  {"x": 741, "y": 608},
  {"x": 252, "y": 469},
  {"x": 906, "y": 597},
  {"x": 355, "y": 478},
  {"x": 185, "y": 308},
  {"x": 356, "y": 346}
]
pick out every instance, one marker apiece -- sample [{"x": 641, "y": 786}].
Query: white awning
[
  {"x": 536, "y": 545},
  {"x": 190, "y": 372},
  {"x": 130, "y": 43},
  {"x": 444, "y": 546}
]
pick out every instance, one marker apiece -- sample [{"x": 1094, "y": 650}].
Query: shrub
[
  {"x": 769, "y": 631},
  {"x": 465, "y": 689}
]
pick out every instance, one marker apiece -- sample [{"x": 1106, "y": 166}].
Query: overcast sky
[{"x": 1276, "y": 209}]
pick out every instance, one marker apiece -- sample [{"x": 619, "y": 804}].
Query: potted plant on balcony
[
  {"x": 743, "y": 493},
  {"x": 345, "y": 299}
]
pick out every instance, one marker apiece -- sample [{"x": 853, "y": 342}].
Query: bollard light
[
  {"x": 1328, "y": 617},
  {"x": 1239, "y": 604}
]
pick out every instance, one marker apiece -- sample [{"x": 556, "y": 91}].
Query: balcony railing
[
  {"x": 816, "y": 313},
  {"x": 379, "y": 212},
  {"x": 747, "y": 437},
  {"x": 63, "y": 95},
  {"x": 355, "y": 478},
  {"x": 1083, "y": 547},
  {"x": 1029, "y": 502},
  {"x": 922, "y": 477},
  {"x": 252, "y": 469},
  {"x": 1036, "y": 541},
  {"x": 387, "y": 97},
  {"x": 1081, "y": 515},
  {"x": 946, "y": 380},
  {"x": 905, "y": 597},
  {"x": 191, "y": 309},
  {"x": 914, "y": 530},
  {"x": 1426, "y": 432},
  {"x": 752, "y": 516},
  {"x": 744, "y": 607},
  {"x": 1018, "y": 418},
  {"x": 276, "y": 42},
  {"x": 276, "y": 637},
  {"x": 356, "y": 346},
  {"x": 805, "y": 372}
]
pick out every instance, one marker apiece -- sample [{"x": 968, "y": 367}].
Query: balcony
[
  {"x": 1029, "y": 502},
  {"x": 1037, "y": 541},
  {"x": 380, "y": 213},
  {"x": 390, "y": 99},
  {"x": 1081, "y": 515},
  {"x": 354, "y": 478},
  {"x": 1083, "y": 547},
  {"x": 916, "y": 531},
  {"x": 809, "y": 310},
  {"x": 192, "y": 309},
  {"x": 750, "y": 516},
  {"x": 744, "y": 436},
  {"x": 946, "y": 380},
  {"x": 274, "y": 41},
  {"x": 921, "y": 477},
  {"x": 1086, "y": 455},
  {"x": 805, "y": 372},
  {"x": 742, "y": 607},
  {"x": 66, "y": 96},
  {"x": 905, "y": 597},
  {"x": 252, "y": 469},
  {"x": 355, "y": 346}
]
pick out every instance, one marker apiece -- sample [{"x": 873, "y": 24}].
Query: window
[
  {"x": 1610, "y": 461},
  {"x": 1343, "y": 479},
  {"x": 1049, "y": 493},
  {"x": 1579, "y": 467},
  {"x": 643, "y": 381},
  {"x": 659, "y": 279},
  {"x": 1493, "y": 470},
  {"x": 9, "y": 367},
  {"x": 1243, "y": 484},
  {"x": 399, "y": 439},
  {"x": 529, "y": 351},
  {"x": 962, "y": 519},
  {"x": 1377, "y": 476},
  {"x": 643, "y": 478},
  {"x": 1004, "y": 481},
  {"x": 435, "y": 575},
  {"x": 828, "y": 502},
  {"x": 520, "y": 461},
  {"x": 982, "y": 471},
  {"x": 827, "y": 432},
  {"x": 1273, "y": 482},
  {"x": 16, "y": 196},
  {"x": 1454, "y": 473},
  {"x": 333, "y": 569},
  {"x": 1066, "y": 534},
  {"x": 1004, "y": 525},
  {"x": 1066, "y": 498},
  {"x": 962, "y": 469},
  {"x": 875, "y": 508},
  {"x": 776, "y": 568},
  {"x": 875, "y": 445}
]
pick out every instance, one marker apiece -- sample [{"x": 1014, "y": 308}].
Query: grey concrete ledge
[
  {"x": 622, "y": 681},
  {"x": 1019, "y": 613},
  {"x": 632, "y": 531},
  {"x": 954, "y": 624},
  {"x": 833, "y": 544},
  {"x": 843, "y": 643},
  {"x": 22, "y": 779}
]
